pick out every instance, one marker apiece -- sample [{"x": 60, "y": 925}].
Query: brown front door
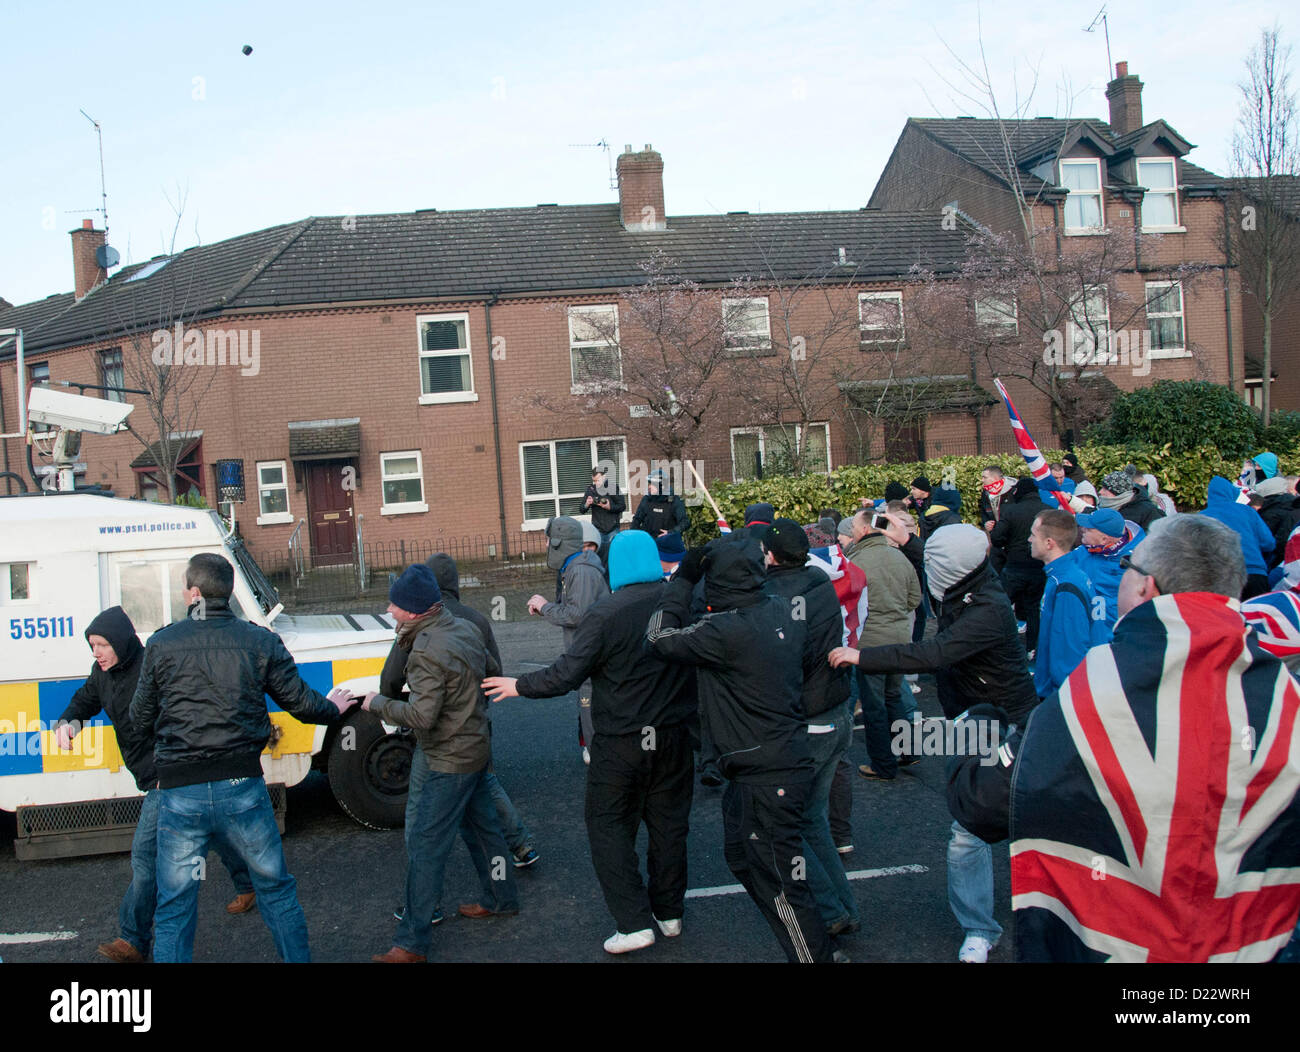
[
  {"x": 329, "y": 514},
  {"x": 905, "y": 442}
]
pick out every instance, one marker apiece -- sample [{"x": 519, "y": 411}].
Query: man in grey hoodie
[{"x": 579, "y": 581}]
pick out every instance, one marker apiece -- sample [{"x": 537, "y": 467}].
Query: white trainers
[
  {"x": 625, "y": 942},
  {"x": 586, "y": 756},
  {"x": 670, "y": 928},
  {"x": 975, "y": 950}
]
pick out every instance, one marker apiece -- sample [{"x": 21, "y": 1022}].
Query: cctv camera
[{"x": 77, "y": 412}]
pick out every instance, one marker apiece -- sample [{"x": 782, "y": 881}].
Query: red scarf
[{"x": 995, "y": 489}]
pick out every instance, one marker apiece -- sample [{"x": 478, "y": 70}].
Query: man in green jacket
[
  {"x": 893, "y": 592},
  {"x": 448, "y": 790}
]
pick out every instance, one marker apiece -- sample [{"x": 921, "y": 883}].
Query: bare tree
[
  {"x": 650, "y": 368},
  {"x": 152, "y": 321},
  {"x": 1265, "y": 166}
]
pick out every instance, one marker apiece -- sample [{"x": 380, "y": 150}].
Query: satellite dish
[{"x": 106, "y": 256}]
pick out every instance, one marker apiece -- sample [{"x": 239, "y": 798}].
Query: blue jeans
[
  {"x": 135, "y": 915},
  {"x": 879, "y": 714},
  {"x": 437, "y": 805},
  {"x": 237, "y": 815},
  {"x": 826, "y": 877},
  {"x": 518, "y": 837},
  {"x": 970, "y": 883}
]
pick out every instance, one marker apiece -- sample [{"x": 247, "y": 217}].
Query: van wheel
[{"x": 368, "y": 771}]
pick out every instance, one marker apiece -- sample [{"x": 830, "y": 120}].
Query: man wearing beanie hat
[
  {"x": 448, "y": 661},
  {"x": 1118, "y": 492},
  {"x": 579, "y": 582},
  {"x": 1280, "y": 512},
  {"x": 641, "y": 763},
  {"x": 1022, "y": 575},
  {"x": 920, "y": 495},
  {"x": 895, "y": 490},
  {"x": 976, "y": 657},
  {"x": 809, "y": 591},
  {"x": 671, "y": 552}
]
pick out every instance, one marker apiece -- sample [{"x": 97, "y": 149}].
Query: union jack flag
[
  {"x": 1275, "y": 617},
  {"x": 1029, "y": 450},
  {"x": 1155, "y": 798},
  {"x": 850, "y": 588}
]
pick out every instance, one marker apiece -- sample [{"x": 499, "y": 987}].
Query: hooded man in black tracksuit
[
  {"x": 1022, "y": 575},
  {"x": 641, "y": 749},
  {"x": 813, "y": 600},
  {"x": 976, "y": 658},
  {"x": 110, "y": 687},
  {"x": 748, "y": 654}
]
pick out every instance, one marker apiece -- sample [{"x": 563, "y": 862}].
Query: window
[
  {"x": 593, "y": 347},
  {"x": 1165, "y": 318},
  {"x": 772, "y": 449},
  {"x": 1083, "y": 211},
  {"x": 403, "y": 483},
  {"x": 880, "y": 317},
  {"x": 272, "y": 494},
  {"x": 446, "y": 371},
  {"x": 16, "y": 582},
  {"x": 1091, "y": 333},
  {"x": 189, "y": 471},
  {"x": 746, "y": 326},
  {"x": 39, "y": 373},
  {"x": 1160, "y": 203},
  {"x": 997, "y": 316},
  {"x": 151, "y": 589},
  {"x": 111, "y": 374},
  {"x": 556, "y": 474}
]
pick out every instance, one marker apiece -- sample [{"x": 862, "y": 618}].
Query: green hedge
[{"x": 1184, "y": 476}]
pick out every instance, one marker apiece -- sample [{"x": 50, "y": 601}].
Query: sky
[{"x": 345, "y": 108}]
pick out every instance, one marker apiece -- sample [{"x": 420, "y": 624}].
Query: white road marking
[
  {"x": 857, "y": 874},
  {"x": 36, "y": 936}
]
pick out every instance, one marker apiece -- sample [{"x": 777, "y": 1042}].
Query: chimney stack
[
  {"x": 87, "y": 272},
  {"x": 1124, "y": 94},
  {"x": 641, "y": 190}
]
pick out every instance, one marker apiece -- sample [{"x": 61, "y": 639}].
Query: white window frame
[
  {"x": 450, "y": 396},
  {"x": 751, "y": 341},
  {"x": 761, "y": 432},
  {"x": 1181, "y": 314},
  {"x": 555, "y": 496},
  {"x": 997, "y": 321},
  {"x": 1099, "y": 194},
  {"x": 1177, "y": 228},
  {"x": 576, "y": 386},
  {"x": 275, "y": 518},
  {"x": 405, "y": 507},
  {"x": 864, "y": 330},
  {"x": 31, "y": 368},
  {"x": 1101, "y": 353},
  {"x": 6, "y": 597}
]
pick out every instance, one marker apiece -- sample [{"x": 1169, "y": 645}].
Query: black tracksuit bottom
[
  {"x": 635, "y": 778},
  {"x": 1024, "y": 587},
  {"x": 764, "y": 849}
]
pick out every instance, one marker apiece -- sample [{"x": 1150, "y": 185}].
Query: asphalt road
[{"x": 350, "y": 878}]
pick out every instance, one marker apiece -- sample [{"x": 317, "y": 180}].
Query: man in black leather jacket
[{"x": 201, "y": 697}]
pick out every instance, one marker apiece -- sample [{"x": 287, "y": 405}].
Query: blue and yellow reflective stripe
[{"x": 30, "y": 711}]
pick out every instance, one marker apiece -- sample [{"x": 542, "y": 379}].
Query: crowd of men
[{"x": 1145, "y": 724}]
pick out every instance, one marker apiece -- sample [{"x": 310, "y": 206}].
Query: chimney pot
[
  {"x": 87, "y": 224},
  {"x": 1121, "y": 69}
]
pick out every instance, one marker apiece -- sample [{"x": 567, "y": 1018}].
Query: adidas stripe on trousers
[{"x": 764, "y": 849}]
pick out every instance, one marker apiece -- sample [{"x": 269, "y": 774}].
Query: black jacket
[
  {"x": 605, "y": 521},
  {"x": 201, "y": 696},
  {"x": 979, "y": 793},
  {"x": 748, "y": 654},
  {"x": 1011, "y": 533},
  {"x": 113, "y": 690},
  {"x": 823, "y": 687},
  {"x": 661, "y": 512},
  {"x": 1141, "y": 509},
  {"x": 976, "y": 654},
  {"x": 1281, "y": 514},
  {"x": 392, "y": 680},
  {"x": 631, "y": 689}
]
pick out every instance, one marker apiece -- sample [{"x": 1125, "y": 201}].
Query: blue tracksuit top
[
  {"x": 1256, "y": 541},
  {"x": 1104, "y": 571},
  {"x": 1070, "y": 624}
]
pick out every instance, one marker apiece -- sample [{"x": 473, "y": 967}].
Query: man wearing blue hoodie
[
  {"x": 1071, "y": 622},
  {"x": 641, "y": 760},
  {"x": 1106, "y": 538},
  {"x": 1256, "y": 540}
]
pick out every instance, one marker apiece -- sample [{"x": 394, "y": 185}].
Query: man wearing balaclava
[{"x": 976, "y": 657}]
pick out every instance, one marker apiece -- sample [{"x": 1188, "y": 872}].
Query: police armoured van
[{"x": 66, "y": 556}]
